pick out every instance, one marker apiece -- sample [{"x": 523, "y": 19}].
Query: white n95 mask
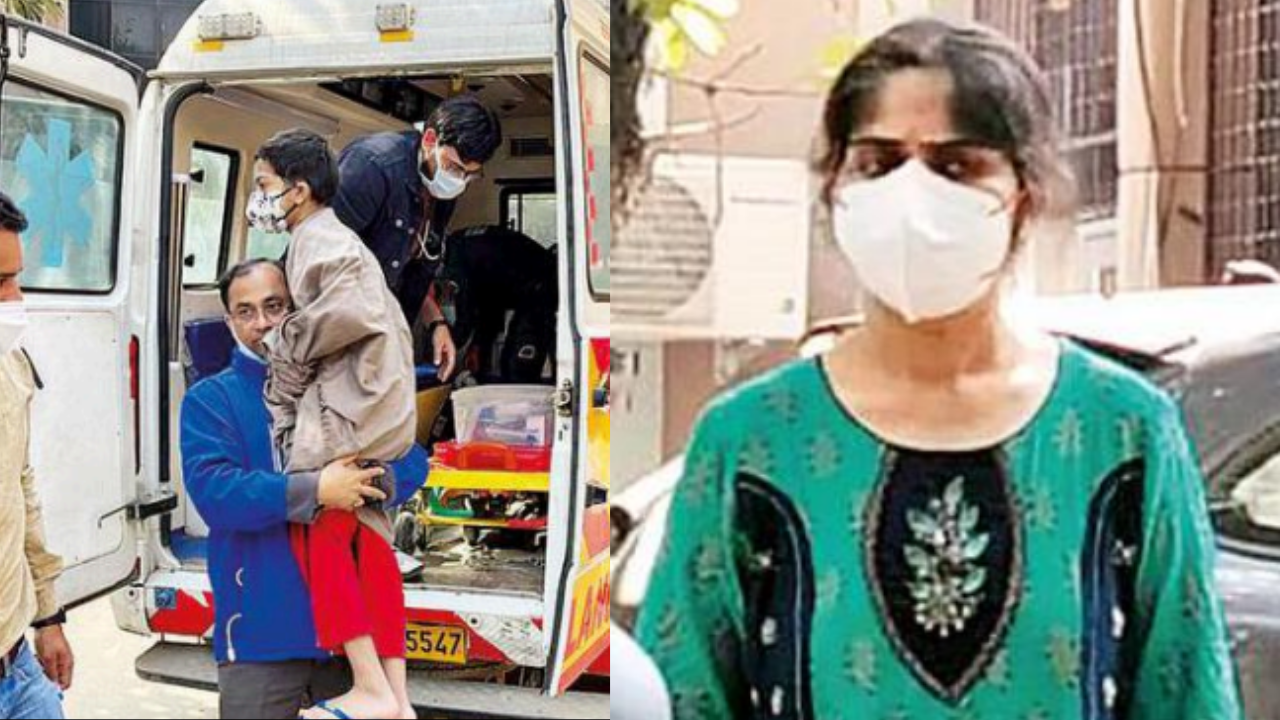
[
  {"x": 923, "y": 245},
  {"x": 446, "y": 185}
]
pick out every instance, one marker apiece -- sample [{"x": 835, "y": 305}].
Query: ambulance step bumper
[{"x": 193, "y": 666}]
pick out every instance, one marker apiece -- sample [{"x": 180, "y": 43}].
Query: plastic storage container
[{"x": 515, "y": 415}]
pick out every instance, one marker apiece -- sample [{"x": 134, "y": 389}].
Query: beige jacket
[
  {"x": 341, "y": 380},
  {"x": 27, "y": 568}
]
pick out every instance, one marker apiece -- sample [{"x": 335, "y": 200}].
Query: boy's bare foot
[
  {"x": 408, "y": 713},
  {"x": 359, "y": 704}
]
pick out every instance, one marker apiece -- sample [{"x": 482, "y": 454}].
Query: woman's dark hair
[
  {"x": 466, "y": 125},
  {"x": 999, "y": 96},
  {"x": 11, "y": 218},
  {"x": 300, "y": 155},
  {"x": 626, "y": 54}
]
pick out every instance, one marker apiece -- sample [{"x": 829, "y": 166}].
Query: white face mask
[
  {"x": 266, "y": 212},
  {"x": 923, "y": 245},
  {"x": 13, "y": 324},
  {"x": 445, "y": 185}
]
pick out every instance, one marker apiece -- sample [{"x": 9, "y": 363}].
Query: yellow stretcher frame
[
  {"x": 492, "y": 480},
  {"x": 465, "y": 522}
]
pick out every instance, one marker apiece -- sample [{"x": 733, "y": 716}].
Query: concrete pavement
[{"x": 105, "y": 685}]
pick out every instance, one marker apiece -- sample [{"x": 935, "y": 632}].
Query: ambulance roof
[{"x": 324, "y": 37}]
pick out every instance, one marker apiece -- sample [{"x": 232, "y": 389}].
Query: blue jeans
[{"x": 27, "y": 694}]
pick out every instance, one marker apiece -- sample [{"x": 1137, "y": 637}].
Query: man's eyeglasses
[
  {"x": 272, "y": 310},
  {"x": 456, "y": 169}
]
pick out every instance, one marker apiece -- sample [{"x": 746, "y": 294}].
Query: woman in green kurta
[{"x": 950, "y": 515}]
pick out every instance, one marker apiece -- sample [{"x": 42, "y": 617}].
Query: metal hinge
[
  {"x": 564, "y": 399},
  {"x": 4, "y": 48},
  {"x": 161, "y": 502}
]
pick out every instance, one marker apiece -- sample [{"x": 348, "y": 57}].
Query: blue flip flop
[{"x": 331, "y": 709}]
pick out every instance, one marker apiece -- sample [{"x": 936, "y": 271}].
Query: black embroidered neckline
[{"x": 943, "y": 550}]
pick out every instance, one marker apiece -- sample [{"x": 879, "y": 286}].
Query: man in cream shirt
[{"x": 31, "y": 679}]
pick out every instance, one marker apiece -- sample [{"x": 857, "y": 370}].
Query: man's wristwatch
[{"x": 58, "y": 618}]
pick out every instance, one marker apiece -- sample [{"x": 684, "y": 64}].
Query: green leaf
[
  {"x": 954, "y": 495},
  {"x": 969, "y": 519},
  {"x": 703, "y": 30},
  {"x": 835, "y": 54},
  {"x": 975, "y": 547},
  {"x": 922, "y": 525},
  {"x": 36, "y": 10},
  {"x": 917, "y": 558},
  {"x": 679, "y": 24},
  {"x": 722, "y": 9},
  {"x": 673, "y": 49},
  {"x": 974, "y": 582}
]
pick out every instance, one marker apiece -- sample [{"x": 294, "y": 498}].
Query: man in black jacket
[{"x": 398, "y": 192}]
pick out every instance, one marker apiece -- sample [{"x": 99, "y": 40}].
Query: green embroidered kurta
[{"x": 1065, "y": 574}]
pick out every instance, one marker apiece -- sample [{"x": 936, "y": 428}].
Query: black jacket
[{"x": 380, "y": 197}]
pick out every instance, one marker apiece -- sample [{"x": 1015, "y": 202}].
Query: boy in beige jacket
[{"x": 340, "y": 385}]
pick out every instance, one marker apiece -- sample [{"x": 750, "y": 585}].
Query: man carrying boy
[
  {"x": 269, "y": 665},
  {"x": 341, "y": 385}
]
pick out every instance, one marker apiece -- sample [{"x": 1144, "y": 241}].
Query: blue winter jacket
[{"x": 262, "y": 606}]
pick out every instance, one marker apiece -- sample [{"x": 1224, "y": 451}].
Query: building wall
[
  {"x": 1244, "y": 148},
  {"x": 1162, "y": 99},
  {"x": 776, "y": 50},
  {"x": 1153, "y": 233},
  {"x": 1163, "y": 150}
]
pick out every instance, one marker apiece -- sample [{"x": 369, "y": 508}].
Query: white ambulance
[{"x": 135, "y": 185}]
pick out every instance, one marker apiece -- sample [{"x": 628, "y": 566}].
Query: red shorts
[{"x": 355, "y": 583}]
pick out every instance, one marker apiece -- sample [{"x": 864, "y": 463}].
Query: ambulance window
[
  {"x": 532, "y": 211},
  {"x": 60, "y": 161},
  {"x": 208, "y": 225},
  {"x": 595, "y": 123},
  {"x": 266, "y": 245}
]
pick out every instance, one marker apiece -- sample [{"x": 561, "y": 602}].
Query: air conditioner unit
[{"x": 715, "y": 248}]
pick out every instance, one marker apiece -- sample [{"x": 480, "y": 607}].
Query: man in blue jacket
[{"x": 264, "y": 635}]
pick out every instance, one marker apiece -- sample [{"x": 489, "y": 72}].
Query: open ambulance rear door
[
  {"x": 69, "y": 130},
  {"x": 578, "y": 600}
]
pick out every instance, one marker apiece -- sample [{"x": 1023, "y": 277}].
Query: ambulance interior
[{"x": 464, "y": 539}]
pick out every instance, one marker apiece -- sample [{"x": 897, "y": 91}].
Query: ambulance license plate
[{"x": 436, "y": 643}]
